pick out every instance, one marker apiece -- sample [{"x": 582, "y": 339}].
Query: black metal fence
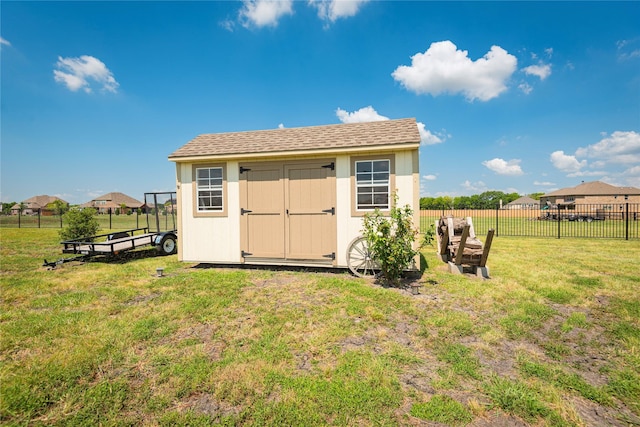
[
  {"x": 110, "y": 220},
  {"x": 619, "y": 221}
]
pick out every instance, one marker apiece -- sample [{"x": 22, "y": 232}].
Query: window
[
  {"x": 372, "y": 184},
  {"x": 209, "y": 189}
]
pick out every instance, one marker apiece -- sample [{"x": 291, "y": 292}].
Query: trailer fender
[{"x": 166, "y": 243}]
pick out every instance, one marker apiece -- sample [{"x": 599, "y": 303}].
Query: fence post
[
  {"x": 60, "y": 219},
  {"x": 626, "y": 222},
  {"x": 109, "y": 218},
  {"x": 39, "y": 217},
  {"x": 19, "y": 217},
  {"x": 497, "y": 214},
  {"x": 558, "y": 218}
]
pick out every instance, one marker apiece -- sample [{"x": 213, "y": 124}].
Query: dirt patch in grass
[{"x": 207, "y": 404}]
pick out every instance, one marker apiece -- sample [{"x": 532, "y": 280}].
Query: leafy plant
[
  {"x": 81, "y": 223},
  {"x": 391, "y": 238}
]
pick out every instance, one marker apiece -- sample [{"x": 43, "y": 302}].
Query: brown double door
[{"x": 288, "y": 210}]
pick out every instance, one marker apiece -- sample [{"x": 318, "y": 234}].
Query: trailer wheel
[{"x": 168, "y": 245}]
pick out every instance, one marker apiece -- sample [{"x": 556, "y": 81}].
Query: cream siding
[
  {"x": 218, "y": 239},
  {"x": 210, "y": 239}
]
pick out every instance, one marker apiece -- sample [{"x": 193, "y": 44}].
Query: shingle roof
[
  {"x": 524, "y": 200},
  {"x": 594, "y": 188},
  {"x": 38, "y": 202},
  {"x": 370, "y": 134},
  {"x": 115, "y": 199}
]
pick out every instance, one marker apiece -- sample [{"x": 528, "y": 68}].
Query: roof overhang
[{"x": 297, "y": 153}]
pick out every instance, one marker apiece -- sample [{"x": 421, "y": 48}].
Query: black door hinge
[
  {"x": 332, "y": 211},
  {"x": 244, "y": 211},
  {"x": 245, "y": 254},
  {"x": 331, "y": 166},
  {"x": 243, "y": 169},
  {"x": 332, "y": 255}
]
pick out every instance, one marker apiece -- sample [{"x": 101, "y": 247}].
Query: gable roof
[
  {"x": 38, "y": 202},
  {"x": 115, "y": 199},
  {"x": 524, "y": 200},
  {"x": 594, "y": 188},
  {"x": 312, "y": 138}
]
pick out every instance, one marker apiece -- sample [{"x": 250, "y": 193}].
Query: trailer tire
[{"x": 168, "y": 245}]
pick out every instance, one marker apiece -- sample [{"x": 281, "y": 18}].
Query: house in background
[
  {"x": 524, "y": 202},
  {"x": 595, "y": 192},
  {"x": 294, "y": 195},
  {"x": 596, "y": 197},
  {"x": 113, "y": 201},
  {"x": 43, "y": 204}
]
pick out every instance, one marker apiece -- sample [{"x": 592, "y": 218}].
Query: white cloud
[
  {"x": 281, "y": 126},
  {"x": 541, "y": 70},
  {"x": 628, "y": 49},
  {"x": 525, "y": 88},
  {"x": 369, "y": 114},
  {"x": 430, "y": 177},
  {"x": 78, "y": 73},
  {"x": 566, "y": 163},
  {"x": 549, "y": 52},
  {"x": 619, "y": 148},
  {"x": 474, "y": 187},
  {"x": 331, "y": 10},
  {"x": 444, "y": 69},
  {"x": 503, "y": 167},
  {"x": 365, "y": 114},
  {"x": 426, "y": 137},
  {"x": 4, "y": 41},
  {"x": 264, "y": 13},
  {"x": 544, "y": 183}
]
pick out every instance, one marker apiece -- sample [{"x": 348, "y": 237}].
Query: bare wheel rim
[
  {"x": 168, "y": 245},
  {"x": 360, "y": 259}
]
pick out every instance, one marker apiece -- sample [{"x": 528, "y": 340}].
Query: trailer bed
[{"x": 113, "y": 246}]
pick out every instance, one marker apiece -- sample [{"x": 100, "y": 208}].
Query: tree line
[{"x": 486, "y": 200}]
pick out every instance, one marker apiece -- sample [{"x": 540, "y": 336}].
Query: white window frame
[
  {"x": 374, "y": 184},
  {"x": 209, "y": 187}
]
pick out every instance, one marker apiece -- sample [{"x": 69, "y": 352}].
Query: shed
[{"x": 291, "y": 196}]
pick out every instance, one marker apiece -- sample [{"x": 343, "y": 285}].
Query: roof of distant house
[
  {"x": 38, "y": 202},
  {"x": 595, "y": 188},
  {"x": 312, "y": 138},
  {"x": 114, "y": 200},
  {"x": 524, "y": 200}
]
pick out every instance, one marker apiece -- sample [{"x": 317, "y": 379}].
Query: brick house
[
  {"x": 35, "y": 204},
  {"x": 113, "y": 201},
  {"x": 594, "y": 197}
]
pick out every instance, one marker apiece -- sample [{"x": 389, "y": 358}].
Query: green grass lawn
[{"x": 553, "y": 338}]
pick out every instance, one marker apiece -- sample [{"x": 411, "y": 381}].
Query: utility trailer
[{"x": 159, "y": 232}]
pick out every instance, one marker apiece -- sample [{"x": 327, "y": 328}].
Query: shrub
[
  {"x": 391, "y": 240},
  {"x": 81, "y": 223}
]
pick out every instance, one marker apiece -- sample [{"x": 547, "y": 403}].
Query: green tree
[
  {"x": 391, "y": 239},
  {"x": 6, "y": 207},
  {"x": 58, "y": 207},
  {"x": 81, "y": 224}
]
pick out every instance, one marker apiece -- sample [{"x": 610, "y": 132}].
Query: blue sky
[{"x": 512, "y": 96}]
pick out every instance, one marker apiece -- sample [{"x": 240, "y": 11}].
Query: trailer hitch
[{"x": 53, "y": 264}]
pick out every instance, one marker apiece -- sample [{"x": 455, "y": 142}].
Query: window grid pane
[
  {"x": 209, "y": 189},
  {"x": 372, "y": 184}
]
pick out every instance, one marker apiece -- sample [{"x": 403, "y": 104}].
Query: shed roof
[
  {"x": 311, "y": 138},
  {"x": 594, "y": 188}
]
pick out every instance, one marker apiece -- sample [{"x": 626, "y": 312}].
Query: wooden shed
[{"x": 292, "y": 196}]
